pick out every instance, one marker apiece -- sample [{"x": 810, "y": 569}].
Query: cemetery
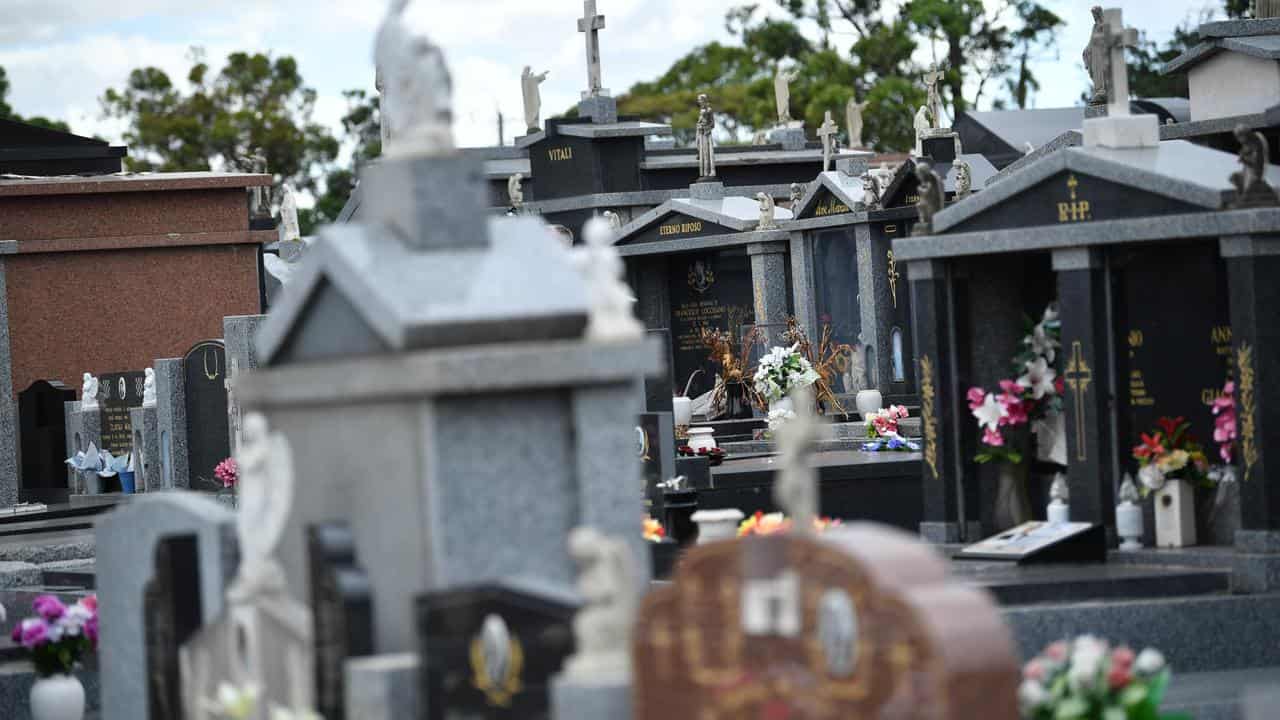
[{"x": 628, "y": 419}]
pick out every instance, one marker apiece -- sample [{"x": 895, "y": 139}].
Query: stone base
[
  {"x": 83, "y": 427},
  {"x": 707, "y": 190},
  {"x": 382, "y": 687},
  {"x": 790, "y": 138},
  {"x": 573, "y": 699},
  {"x": 941, "y": 145},
  {"x": 602, "y": 109},
  {"x": 1126, "y": 131},
  {"x": 1095, "y": 111}
]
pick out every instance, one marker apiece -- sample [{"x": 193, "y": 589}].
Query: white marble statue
[
  {"x": 289, "y": 230},
  {"x": 149, "y": 388},
  {"x": 795, "y": 491},
  {"x": 615, "y": 221},
  {"x": 89, "y": 393},
  {"x": 767, "y": 222},
  {"x": 610, "y": 596},
  {"x": 514, "y": 192},
  {"x": 611, "y": 318},
  {"x": 1097, "y": 58},
  {"x": 706, "y": 148},
  {"x": 931, "y": 80},
  {"x": 853, "y": 118},
  {"x": 265, "y": 463},
  {"x": 871, "y": 191},
  {"x": 923, "y": 126},
  {"x": 529, "y": 87},
  {"x": 417, "y": 95},
  {"x": 782, "y": 93},
  {"x": 797, "y": 194},
  {"x": 964, "y": 178},
  {"x": 759, "y": 138}
]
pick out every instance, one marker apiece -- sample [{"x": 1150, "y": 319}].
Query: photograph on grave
[
  {"x": 208, "y": 435},
  {"x": 42, "y": 437}
]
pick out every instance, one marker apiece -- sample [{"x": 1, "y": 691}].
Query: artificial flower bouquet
[
  {"x": 1087, "y": 679},
  {"x": 1170, "y": 453},
  {"x": 227, "y": 473},
  {"x": 1034, "y": 393},
  {"x": 781, "y": 371},
  {"x": 1225, "y": 431},
  {"x": 730, "y": 355},
  {"x": 882, "y": 431},
  {"x": 827, "y": 359},
  {"x": 773, "y": 523},
  {"x": 653, "y": 530},
  {"x": 59, "y": 635},
  {"x": 715, "y": 455}
]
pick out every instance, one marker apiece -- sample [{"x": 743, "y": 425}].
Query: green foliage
[
  {"x": 255, "y": 105},
  {"x": 6, "y": 110},
  {"x": 1148, "y": 59}
]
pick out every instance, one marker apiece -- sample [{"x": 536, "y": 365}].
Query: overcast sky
[{"x": 62, "y": 54}]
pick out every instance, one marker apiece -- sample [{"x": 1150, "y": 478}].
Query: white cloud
[{"x": 62, "y": 54}]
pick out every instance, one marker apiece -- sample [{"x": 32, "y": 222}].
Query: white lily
[
  {"x": 990, "y": 412},
  {"x": 1038, "y": 378}
]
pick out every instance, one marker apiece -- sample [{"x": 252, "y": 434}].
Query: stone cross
[
  {"x": 1120, "y": 38},
  {"x": 1077, "y": 378},
  {"x": 828, "y": 134},
  {"x": 796, "y": 489},
  {"x": 931, "y": 80},
  {"x": 591, "y": 24}
]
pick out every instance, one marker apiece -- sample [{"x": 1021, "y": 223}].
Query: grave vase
[
  {"x": 1218, "y": 512},
  {"x": 1013, "y": 504},
  {"x": 57, "y": 697},
  {"x": 1175, "y": 514}
]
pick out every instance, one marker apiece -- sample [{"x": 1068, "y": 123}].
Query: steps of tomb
[
  {"x": 1226, "y": 695},
  {"x": 1014, "y": 585},
  {"x": 1197, "y": 633}
]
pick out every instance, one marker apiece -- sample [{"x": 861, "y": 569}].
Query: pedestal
[
  {"x": 573, "y": 699},
  {"x": 790, "y": 138},
  {"x": 146, "y": 448},
  {"x": 716, "y": 525},
  {"x": 83, "y": 427},
  {"x": 1175, "y": 515}
]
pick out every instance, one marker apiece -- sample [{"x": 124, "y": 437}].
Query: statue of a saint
[
  {"x": 529, "y": 83},
  {"x": 417, "y": 94},
  {"x": 1097, "y": 58},
  {"x": 265, "y": 463},
  {"x": 871, "y": 191},
  {"x": 610, "y": 317},
  {"x": 514, "y": 193},
  {"x": 1252, "y": 189},
  {"x": 706, "y": 149},
  {"x": 922, "y": 126},
  {"x": 89, "y": 392},
  {"x": 931, "y": 198},
  {"x": 289, "y": 230},
  {"x": 766, "y": 212},
  {"x": 602, "y": 628},
  {"x": 782, "y": 93},
  {"x": 964, "y": 178},
  {"x": 853, "y": 117},
  {"x": 797, "y": 192}
]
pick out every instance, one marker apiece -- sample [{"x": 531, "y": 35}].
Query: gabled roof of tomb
[
  {"x": 905, "y": 180},
  {"x": 844, "y": 188},
  {"x": 1189, "y": 176},
  {"x": 362, "y": 292},
  {"x": 1256, "y": 38},
  {"x": 732, "y": 214}
]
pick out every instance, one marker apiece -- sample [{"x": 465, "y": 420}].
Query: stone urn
[
  {"x": 716, "y": 525},
  {"x": 868, "y": 401},
  {"x": 702, "y": 438}
]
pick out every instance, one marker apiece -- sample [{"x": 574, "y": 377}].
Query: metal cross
[
  {"x": 828, "y": 134},
  {"x": 1119, "y": 37},
  {"x": 1078, "y": 377},
  {"x": 894, "y": 276},
  {"x": 591, "y": 24}
]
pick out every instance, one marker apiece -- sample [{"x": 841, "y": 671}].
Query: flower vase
[
  {"x": 785, "y": 403},
  {"x": 57, "y": 697},
  {"x": 737, "y": 407},
  {"x": 1013, "y": 504},
  {"x": 92, "y": 482},
  {"x": 1175, "y": 514}
]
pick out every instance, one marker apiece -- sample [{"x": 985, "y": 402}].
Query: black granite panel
[
  {"x": 706, "y": 290},
  {"x": 1255, "y": 320}
]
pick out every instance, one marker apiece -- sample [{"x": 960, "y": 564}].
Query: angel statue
[
  {"x": 767, "y": 207},
  {"x": 265, "y": 463},
  {"x": 89, "y": 392},
  {"x": 607, "y": 584},
  {"x": 931, "y": 199},
  {"x": 611, "y": 317},
  {"x": 149, "y": 388},
  {"x": 417, "y": 90}
]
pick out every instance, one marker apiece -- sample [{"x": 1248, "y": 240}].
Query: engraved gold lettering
[
  {"x": 928, "y": 421},
  {"x": 1075, "y": 210},
  {"x": 680, "y": 228},
  {"x": 830, "y": 207},
  {"x": 1246, "y": 408},
  {"x": 560, "y": 154}
]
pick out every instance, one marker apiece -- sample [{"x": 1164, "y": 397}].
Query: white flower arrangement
[
  {"x": 778, "y": 418},
  {"x": 781, "y": 371}
]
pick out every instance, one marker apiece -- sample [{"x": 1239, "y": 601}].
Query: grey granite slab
[
  {"x": 667, "y": 247},
  {"x": 640, "y": 198},
  {"x": 10, "y": 459},
  {"x": 502, "y": 169},
  {"x": 1070, "y": 138},
  {"x": 1239, "y": 28},
  {"x": 625, "y": 128},
  {"x": 1013, "y": 584},
  {"x": 734, "y": 159},
  {"x": 1225, "y": 695},
  {"x": 868, "y": 464}
]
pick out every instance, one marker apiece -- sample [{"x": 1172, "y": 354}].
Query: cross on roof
[
  {"x": 591, "y": 24},
  {"x": 1119, "y": 37},
  {"x": 828, "y": 133}
]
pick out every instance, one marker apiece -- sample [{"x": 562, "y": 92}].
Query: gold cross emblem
[
  {"x": 894, "y": 275},
  {"x": 1072, "y": 184},
  {"x": 1078, "y": 377}
]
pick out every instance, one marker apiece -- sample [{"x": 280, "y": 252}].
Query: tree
[
  {"x": 1035, "y": 35},
  {"x": 255, "y": 105},
  {"x": 7, "y": 113},
  {"x": 739, "y": 81},
  {"x": 362, "y": 128}
]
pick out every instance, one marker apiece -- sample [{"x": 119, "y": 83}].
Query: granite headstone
[
  {"x": 208, "y": 439},
  {"x": 43, "y": 437},
  {"x": 120, "y": 392},
  {"x": 707, "y": 290}
]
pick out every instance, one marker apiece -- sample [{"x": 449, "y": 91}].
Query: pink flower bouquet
[
  {"x": 59, "y": 635},
  {"x": 227, "y": 473},
  {"x": 1087, "y": 679}
]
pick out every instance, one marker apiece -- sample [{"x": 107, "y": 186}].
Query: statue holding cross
[
  {"x": 591, "y": 24},
  {"x": 1104, "y": 59}
]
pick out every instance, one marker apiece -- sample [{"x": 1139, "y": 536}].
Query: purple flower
[
  {"x": 34, "y": 632},
  {"x": 91, "y": 630},
  {"x": 896, "y": 444},
  {"x": 49, "y": 607}
]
